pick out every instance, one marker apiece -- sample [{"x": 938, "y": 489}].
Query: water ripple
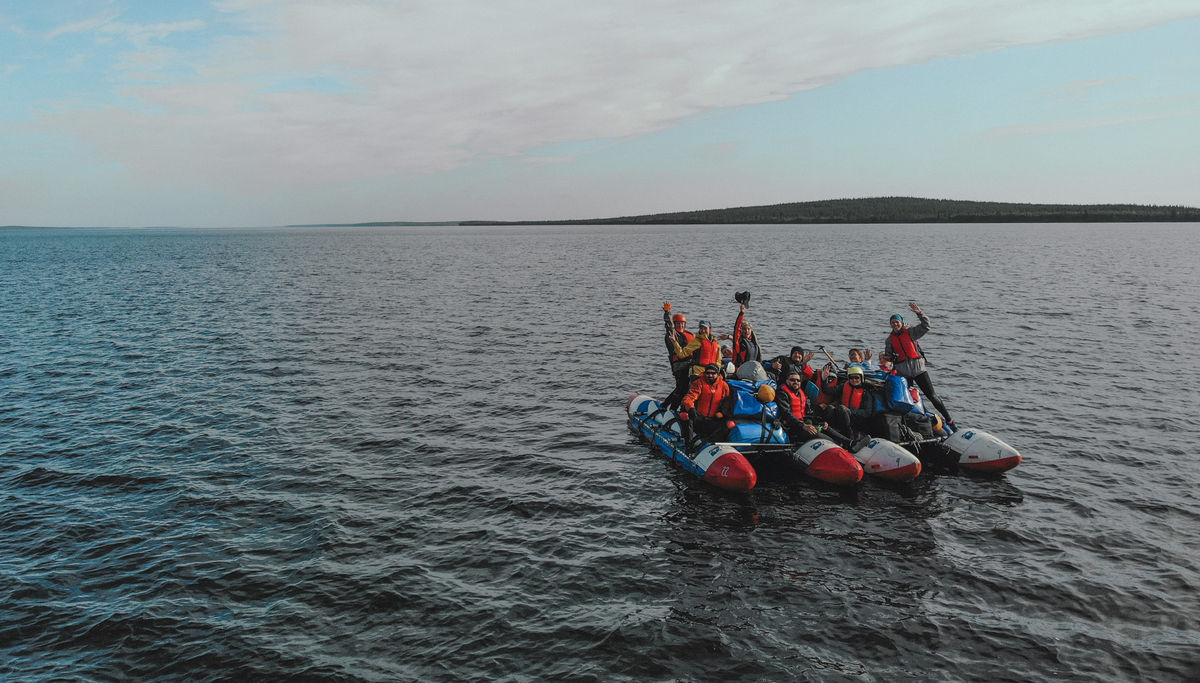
[{"x": 377, "y": 455}]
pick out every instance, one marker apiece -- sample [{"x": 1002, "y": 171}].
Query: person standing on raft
[
  {"x": 681, "y": 367},
  {"x": 702, "y": 350},
  {"x": 909, "y": 360},
  {"x": 745, "y": 343}
]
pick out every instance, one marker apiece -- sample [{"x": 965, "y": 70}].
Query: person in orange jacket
[{"x": 705, "y": 405}]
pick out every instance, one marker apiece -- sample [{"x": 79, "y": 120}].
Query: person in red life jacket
[
  {"x": 853, "y": 401},
  {"x": 801, "y": 423},
  {"x": 702, "y": 349},
  {"x": 909, "y": 360},
  {"x": 681, "y": 366},
  {"x": 745, "y": 344},
  {"x": 705, "y": 405},
  {"x": 826, "y": 381}
]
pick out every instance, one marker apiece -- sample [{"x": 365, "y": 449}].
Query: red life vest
[
  {"x": 709, "y": 352},
  {"x": 709, "y": 396},
  {"x": 852, "y": 396},
  {"x": 903, "y": 346},
  {"x": 687, "y": 338},
  {"x": 799, "y": 402},
  {"x": 825, "y": 395}
]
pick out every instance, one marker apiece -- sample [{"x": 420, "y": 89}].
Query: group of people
[{"x": 840, "y": 405}]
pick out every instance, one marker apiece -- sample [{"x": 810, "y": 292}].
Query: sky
[{"x": 276, "y": 112}]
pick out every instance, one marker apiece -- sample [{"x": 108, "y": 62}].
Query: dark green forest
[
  {"x": 873, "y": 210},
  {"x": 899, "y": 210}
]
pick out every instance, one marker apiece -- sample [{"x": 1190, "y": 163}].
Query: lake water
[{"x": 389, "y": 454}]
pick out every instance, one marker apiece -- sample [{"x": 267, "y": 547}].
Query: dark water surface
[{"x": 401, "y": 454}]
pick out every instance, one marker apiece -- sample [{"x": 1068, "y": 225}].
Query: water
[{"x": 401, "y": 454}]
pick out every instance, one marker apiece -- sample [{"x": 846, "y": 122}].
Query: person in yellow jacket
[{"x": 703, "y": 349}]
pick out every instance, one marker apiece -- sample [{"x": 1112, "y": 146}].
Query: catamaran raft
[{"x": 756, "y": 441}]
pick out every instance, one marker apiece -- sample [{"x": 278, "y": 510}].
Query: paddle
[{"x": 827, "y": 355}]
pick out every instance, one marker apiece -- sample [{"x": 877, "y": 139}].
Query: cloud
[
  {"x": 1080, "y": 90},
  {"x": 142, "y": 35},
  {"x": 1071, "y": 125},
  {"x": 438, "y": 84},
  {"x": 84, "y": 26}
]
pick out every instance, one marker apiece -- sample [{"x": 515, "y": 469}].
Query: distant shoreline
[
  {"x": 863, "y": 211},
  {"x": 876, "y": 210}
]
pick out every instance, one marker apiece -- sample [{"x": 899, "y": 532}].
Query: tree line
[{"x": 897, "y": 210}]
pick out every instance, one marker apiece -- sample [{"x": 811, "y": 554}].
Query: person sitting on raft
[
  {"x": 852, "y": 402},
  {"x": 910, "y": 359},
  {"x": 885, "y": 363},
  {"x": 797, "y": 361},
  {"x": 703, "y": 349},
  {"x": 705, "y": 406},
  {"x": 797, "y": 421},
  {"x": 681, "y": 366},
  {"x": 826, "y": 381},
  {"x": 859, "y": 359}
]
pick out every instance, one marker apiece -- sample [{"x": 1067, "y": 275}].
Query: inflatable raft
[
  {"x": 719, "y": 465},
  {"x": 729, "y": 464},
  {"x": 755, "y": 441}
]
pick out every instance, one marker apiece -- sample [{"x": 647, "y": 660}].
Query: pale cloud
[
  {"x": 1056, "y": 127},
  {"x": 84, "y": 26},
  {"x": 143, "y": 34},
  {"x": 435, "y": 85},
  {"x": 1079, "y": 90}
]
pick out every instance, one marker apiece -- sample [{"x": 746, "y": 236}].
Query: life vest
[
  {"x": 798, "y": 402},
  {"x": 687, "y": 338},
  {"x": 825, "y": 393},
  {"x": 709, "y": 352},
  {"x": 708, "y": 403},
  {"x": 903, "y": 346},
  {"x": 742, "y": 352},
  {"x": 852, "y": 397}
]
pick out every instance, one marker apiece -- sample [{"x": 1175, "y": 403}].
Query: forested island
[
  {"x": 899, "y": 210},
  {"x": 876, "y": 210}
]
